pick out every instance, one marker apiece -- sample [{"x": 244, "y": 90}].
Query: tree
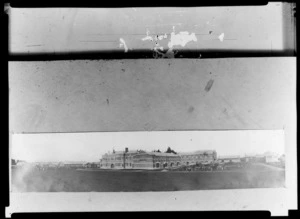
[{"x": 169, "y": 150}]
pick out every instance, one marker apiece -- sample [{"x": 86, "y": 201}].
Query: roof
[
  {"x": 159, "y": 154},
  {"x": 197, "y": 152},
  {"x": 122, "y": 152},
  {"x": 132, "y": 152}
]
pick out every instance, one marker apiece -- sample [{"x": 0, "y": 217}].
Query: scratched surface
[
  {"x": 55, "y": 30},
  {"x": 151, "y": 94}
]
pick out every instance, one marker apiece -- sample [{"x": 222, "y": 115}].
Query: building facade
[
  {"x": 73, "y": 164},
  {"x": 230, "y": 159},
  {"x": 118, "y": 159},
  {"x": 203, "y": 156},
  {"x": 154, "y": 160}
]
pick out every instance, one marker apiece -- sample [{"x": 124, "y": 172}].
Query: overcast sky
[{"x": 91, "y": 146}]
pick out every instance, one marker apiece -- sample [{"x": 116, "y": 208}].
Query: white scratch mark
[
  {"x": 221, "y": 37},
  {"x": 147, "y": 37},
  {"x": 123, "y": 44}
]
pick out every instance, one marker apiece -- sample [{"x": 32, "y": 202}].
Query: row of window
[
  {"x": 117, "y": 165},
  {"x": 167, "y": 158},
  {"x": 137, "y": 159},
  {"x": 196, "y": 157},
  {"x": 117, "y": 158}
]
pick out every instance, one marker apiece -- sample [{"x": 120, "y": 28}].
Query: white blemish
[
  {"x": 221, "y": 37},
  {"x": 123, "y": 44},
  {"x": 147, "y": 37},
  {"x": 157, "y": 37},
  {"x": 161, "y": 37},
  {"x": 181, "y": 39},
  {"x": 161, "y": 48}
]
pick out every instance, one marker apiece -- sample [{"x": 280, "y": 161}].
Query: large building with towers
[{"x": 139, "y": 159}]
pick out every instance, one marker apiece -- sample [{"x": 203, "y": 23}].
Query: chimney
[{"x": 126, "y": 150}]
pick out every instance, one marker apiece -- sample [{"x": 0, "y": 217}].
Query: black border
[{"x": 36, "y": 57}]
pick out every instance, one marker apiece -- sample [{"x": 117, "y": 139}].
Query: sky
[{"x": 89, "y": 147}]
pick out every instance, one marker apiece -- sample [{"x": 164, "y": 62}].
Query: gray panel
[
  {"x": 54, "y": 30},
  {"x": 133, "y": 95}
]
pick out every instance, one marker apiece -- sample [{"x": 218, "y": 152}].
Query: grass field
[{"x": 70, "y": 180}]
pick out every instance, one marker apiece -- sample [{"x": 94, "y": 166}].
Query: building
[
  {"x": 252, "y": 158},
  {"x": 92, "y": 165},
  {"x": 267, "y": 157},
  {"x": 282, "y": 158},
  {"x": 118, "y": 159},
  {"x": 229, "y": 159},
  {"x": 21, "y": 163},
  {"x": 139, "y": 159},
  {"x": 155, "y": 160},
  {"x": 73, "y": 164},
  {"x": 271, "y": 157},
  {"x": 203, "y": 156}
]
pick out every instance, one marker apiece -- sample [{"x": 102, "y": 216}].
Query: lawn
[{"x": 71, "y": 180}]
